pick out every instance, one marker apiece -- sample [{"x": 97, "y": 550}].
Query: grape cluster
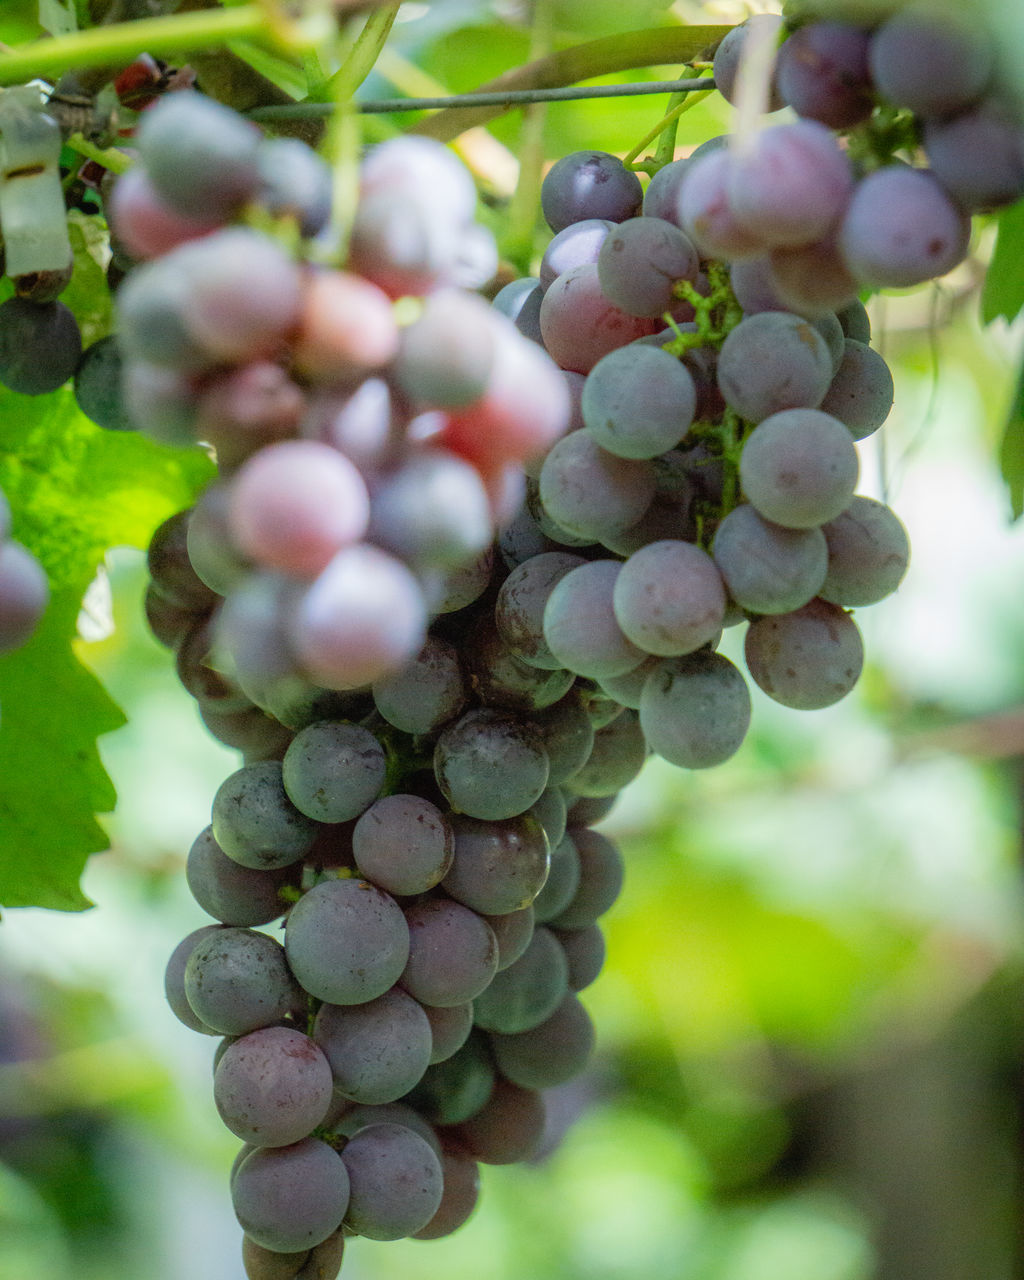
[
  {"x": 24, "y": 590},
  {"x": 363, "y": 464},
  {"x": 431, "y": 849},
  {"x": 840, "y": 200}
]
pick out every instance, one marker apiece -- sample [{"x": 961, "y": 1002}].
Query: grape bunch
[
  {"x": 24, "y": 590},
  {"x": 431, "y": 851},
  {"x": 363, "y": 464},
  {"x": 903, "y": 132}
]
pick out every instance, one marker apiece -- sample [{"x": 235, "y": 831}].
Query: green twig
[
  {"x": 123, "y": 41},
  {"x": 109, "y": 157},
  {"x": 688, "y": 100}
]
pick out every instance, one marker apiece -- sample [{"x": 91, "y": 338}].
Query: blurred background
[{"x": 810, "y": 1024}]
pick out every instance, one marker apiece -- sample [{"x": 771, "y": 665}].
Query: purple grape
[
  {"x": 229, "y": 892},
  {"x": 822, "y": 73},
  {"x": 694, "y": 711},
  {"x": 935, "y": 63},
  {"x": 585, "y": 951},
  {"x": 528, "y": 991},
  {"x": 347, "y": 941},
  {"x": 237, "y": 980},
  {"x": 453, "y": 954},
  {"x": 512, "y": 931},
  {"x": 395, "y": 1180},
  {"x": 255, "y": 822},
  {"x": 426, "y": 692},
  {"x": 868, "y": 553},
  {"x": 766, "y": 568},
  {"x": 548, "y": 1054},
  {"x": 580, "y": 624},
  {"x": 773, "y": 361},
  {"x": 669, "y": 598},
  {"x": 403, "y": 844},
  {"x": 580, "y": 324},
  {"x": 861, "y": 392},
  {"x": 499, "y": 867},
  {"x": 589, "y": 184},
  {"x": 453, "y": 1090},
  {"x": 508, "y": 1129},
  {"x": 799, "y": 468},
  {"x": 378, "y": 1050},
  {"x": 174, "y": 979},
  {"x": 601, "y": 875},
  {"x": 807, "y": 659},
  {"x": 40, "y": 346},
  {"x": 616, "y": 758},
  {"x": 640, "y": 262},
  {"x": 449, "y": 1029},
  {"x": 333, "y": 771},
  {"x": 730, "y": 51},
  {"x": 978, "y": 156},
  {"x": 575, "y": 245},
  {"x": 291, "y": 1198},
  {"x": 638, "y": 402},
  {"x": 458, "y": 1200},
  {"x": 901, "y": 228},
  {"x": 272, "y": 1087},
  {"x": 490, "y": 765}
]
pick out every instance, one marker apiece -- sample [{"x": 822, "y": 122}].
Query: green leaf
[
  {"x": 1003, "y": 294},
  {"x": 58, "y": 17},
  {"x": 1011, "y": 450},
  {"x": 75, "y": 490}
]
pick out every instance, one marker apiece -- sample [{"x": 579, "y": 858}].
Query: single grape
[
  {"x": 584, "y": 951},
  {"x": 40, "y": 346},
  {"x": 589, "y": 184},
  {"x": 449, "y": 1029},
  {"x": 237, "y": 980},
  {"x": 201, "y": 157},
  {"x": 489, "y": 765},
  {"x": 255, "y": 822},
  {"x": 453, "y": 1090},
  {"x": 174, "y": 979},
  {"x": 294, "y": 182},
  {"x": 580, "y": 623},
  {"x": 272, "y": 1087},
  {"x": 799, "y": 468},
  {"x": 323, "y": 1262},
  {"x": 143, "y": 223},
  {"x": 766, "y": 568},
  {"x": 347, "y": 941},
  {"x": 502, "y": 680},
  {"x": 567, "y": 735},
  {"x": 295, "y": 504},
  {"x": 861, "y": 393},
  {"x": 935, "y": 63},
  {"x": 508, "y": 1129},
  {"x": 638, "y": 402},
  {"x": 395, "y": 1179},
  {"x": 902, "y": 228},
  {"x": 499, "y": 867},
  {"x": 424, "y": 693},
  {"x": 641, "y": 260},
  {"x": 362, "y": 618},
  {"x": 379, "y": 1049},
  {"x": 520, "y": 300},
  {"x": 695, "y": 711},
  {"x": 230, "y": 892},
  {"x": 291, "y": 1198},
  {"x": 334, "y": 771},
  {"x": 97, "y": 385},
  {"x": 868, "y": 553},
  {"x": 705, "y": 212},
  {"x": 403, "y": 844},
  {"x": 978, "y": 156},
  {"x": 791, "y": 184},
  {"x": 592, "y": 492},
  {"x": 807, "y": 659},
  {"x": 550, "y": 813},
  {"x": 823, "y": 74},
  {"x": 453, "y": 954},
  {"x": 762, "y": 26},
  {"x": 580, "y": 324},
  {"x": 548, "y": 1054},
  {"x": 773, "y": 361},
  {"x": 813, "y": 279},
  {"x": 208, "y": 542},
  {"x": 573, "y": 246},
  {"x": 669, "y": 598},
  {"x": 346, "y": 328},
  {"x": 461, "y": 1190}
]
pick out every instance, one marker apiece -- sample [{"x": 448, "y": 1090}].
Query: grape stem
[{"x": 687, "y": 95}]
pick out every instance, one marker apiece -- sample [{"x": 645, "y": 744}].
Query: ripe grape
[
  {"x": 822, "y": 73},
  {"x": 272, "y": 1087},
  {"x": 669, "y": 598},
  {"x": 24, "y": 594},
  {"x": 97, "y": 385},
  {"x": 499, "y": 867},
  {"x": 861, "y": 392},
  {"x": 548, "y": 1054},
  {"x": 766, "y": 568},
  {"x": 601, "y": 875},
  {"x": 255, "y": 821},
  {"x": 807, "y": 659},
  {"x": 490, "y": 765},
  {"x": 40, "y": 346},
  {"x": 868, "y": 553},
  {"x": 291, "y": 1198},
  {"x": 403, "y": 844},
  {"x": 453, "y": 954},
  {"x": 527, "y": 992},
  {"x": 695, "y": 710},
  {"x": 580, "y": 324},
  {"x": 395, "y": 1180},
  {"x": 580, "y": 624},
  {"x": 935, "y": 63},
  {"x": 773, "y": 361},
  {"x": 589, "y": 184},
  {"x": 592, "y": 492},
  {"x": 639, "y": 263},
  {"x": 237, "y": 980},
  {"x": 799, "y": 468},
  {"x": 347, "y": 941},
  {"x": 573, "y": 246},
  {"x": 638, "y": 402},
  {"x": 230, "y": 892},
  {"x": 425, "y": 692},
  {"x": 334, "y": 771},
  {"x": 378, "y": 1049}
]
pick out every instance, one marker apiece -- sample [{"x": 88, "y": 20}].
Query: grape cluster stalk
[{"x": 466, "y": 565}]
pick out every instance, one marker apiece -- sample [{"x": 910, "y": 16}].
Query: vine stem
[
  {"x": 690, "y": 92},
  {"x": 464, "y": 101}
]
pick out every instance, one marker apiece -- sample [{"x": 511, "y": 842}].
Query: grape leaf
[
  {"x": 1003, "y": 294},
  {"x": 74, "y": 491},
  {"x": 1011, "y": 450}
]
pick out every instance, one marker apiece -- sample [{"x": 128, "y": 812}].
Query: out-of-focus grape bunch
[{"x": 440, "y": 675}]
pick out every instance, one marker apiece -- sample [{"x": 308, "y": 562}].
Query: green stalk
[
  {"x": 364, "y": 53},
  {"x": 122, "y": 42}
]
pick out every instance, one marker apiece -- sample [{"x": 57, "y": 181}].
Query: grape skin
[
  {"x": 638, "y": 402},
  {"x": 333, "y": 771},
  {"x": 868, "y": 553},
  {"x": 379, "y": 1049},
  {"x": 562, "y": 882},
  {"x": 861, "y": 393},
  {"x": 669, "y": 598},
  {"x": 403, "y": 843},
  {"x": 807, "y": 659},
  {"x": 580, "y": 324},
  {"x": 548, "y": 1054},
  {"x": 458, "y": 1200},
  {"x": 773, "y": 361},
  {"x": 901, "y": 228},
  {"x": 799, "y": 468},
  {"x": 237, "y": 980},
  {"x": 489, "y": 765},
  {"x": 768, "y": 569},
  {"x": 347, "y": 941},
  {"x": 453, "y": 955},
  {"x": 272, "y": 1087},
  {"x": 528, "y": 991},
  {"x": 580, "y": 624},
  {"x": 589, "y": 184},
  {"x": 592, "y": 492},
  {"x": 291, "y": 1198},
  {"x": 499, "y": 867},
  {"x": 695, "y": 711},
  {"x": 24, "y": 595}
]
